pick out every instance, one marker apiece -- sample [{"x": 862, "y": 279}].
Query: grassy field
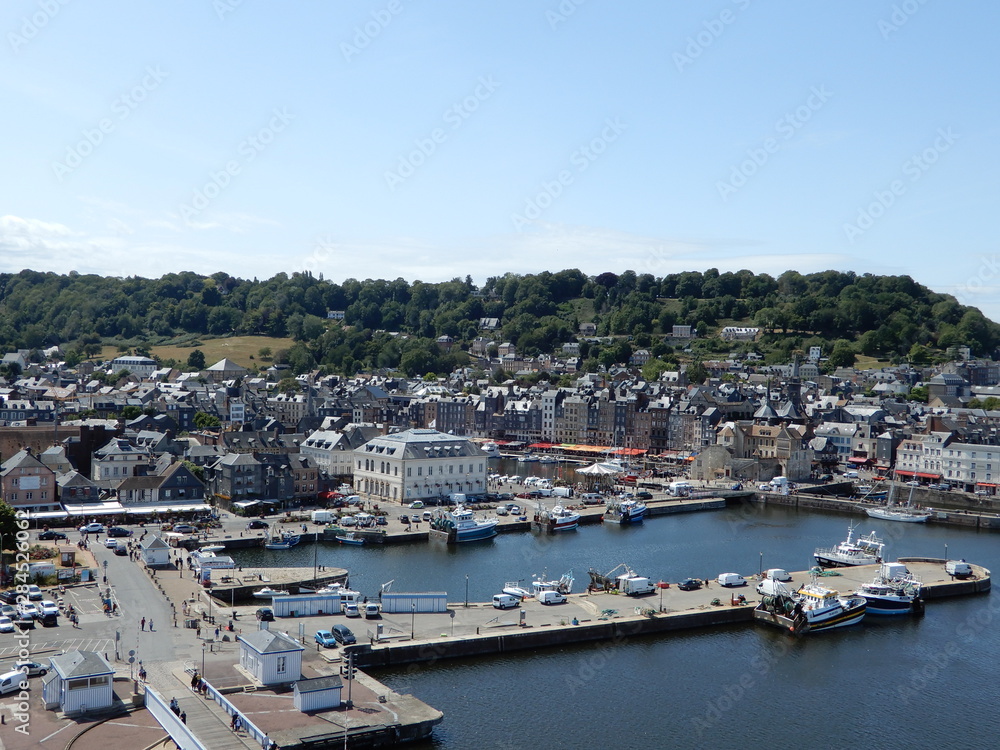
[
  {"x": 238, "y": 348},
  {"x": 864, "y": 362}
]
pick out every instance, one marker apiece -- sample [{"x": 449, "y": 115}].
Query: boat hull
[
  {"x": 849, "y": 615},
  {"x": 830, "y": 561},
  {"x": 475, "y": 535},
  {"x": 900, "y": 516}
]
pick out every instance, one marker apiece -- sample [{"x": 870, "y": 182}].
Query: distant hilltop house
[
  {"x": 682, "y": 332},
  {"x": 225, "y": 369},
  {"x": 334, "y": 314},
  {"x": 141, "y": 367},
  {"x": 738, "y": 333}
]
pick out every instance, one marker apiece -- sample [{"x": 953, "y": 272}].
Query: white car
[
  {"x": 48, "y": 607},
  {"x": 348, "y": 521},
  {"x": 27, "y": 609},
  {"x": 110, "y": 542},
  {"x": 92, "y": 528},
  {"x": 34, "y": 593},
  {"x": 351, "y": 610},
  {"x": 6, "y": 625}
]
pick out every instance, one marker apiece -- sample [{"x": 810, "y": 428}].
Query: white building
[
  {"x": 117, "y": 459},
  {"x": 141, "y": 367},
  {"x": 155, "y": 551},
  {"x": 739, "y": 333},
  {"x": 419, "y": 464},
  {"x": 330, "y": 450},
  {"x": 79, "y": 681},
  {"x": 318, "y": 694},
  {"x": 934, "y": 457},
  {"x": 271, "y": 657}
]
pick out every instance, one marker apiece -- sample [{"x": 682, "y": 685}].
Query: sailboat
[{"x": 904, "y": 513}]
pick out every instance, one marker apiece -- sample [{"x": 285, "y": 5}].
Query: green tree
[
  {"x": 288, "y": 384},
  {"x": 131, "y": 412},
  {"x": 8, "y": 526},
  {"x": 697, "y": 373},
  {"x": 196, "y": 360},
  {"x": 918, "y": 393},
  {"x": 198, "y": 471},
  {"x": 843, "y": 355},
  {"x": 205, "y": 421}
]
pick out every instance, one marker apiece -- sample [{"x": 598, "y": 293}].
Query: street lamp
[
  {"x": 413, "y": 620},
  {"x": 466, "y": 591},
  {"x": 203, "y": 660}
]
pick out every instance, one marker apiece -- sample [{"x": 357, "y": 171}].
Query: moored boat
[
  {"x": 461, "y": 526},
  {"x": 625, "y": 512},
  {"x": 349, "y": 537},
  {"x": 267, "y": 592},
  {"x": 812, "y": 608},
  {"x": 285, "y": 541},
  {"x": 558, "y": 518},
  {"x": 893, "y": 591},
  {"x": 514, "y": 588},
  {"x": 491, "y": 449},
  {"x": 902, "y": 513},
  {"x": 564, "y": 585},
  {"x": 867, "y": 550}
]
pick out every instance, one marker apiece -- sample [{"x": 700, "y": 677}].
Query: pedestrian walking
[
  {"x": 142, "y": 624},
  {"x": 232, "y": 723},
  {"x": 184, "y": 717},
  {"x": 216, "y": 634},
  {"x": 150, "y": 624},
  {"x": 194, "y": 680}
]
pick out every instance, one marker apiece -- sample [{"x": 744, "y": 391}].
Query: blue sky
[{"x": 430, "y": 140}]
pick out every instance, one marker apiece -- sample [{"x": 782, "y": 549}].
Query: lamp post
[
  {"x": 466, "y": 591},
  {"x": 203, "y": 660},
  {"x": 413, "y": 620}
]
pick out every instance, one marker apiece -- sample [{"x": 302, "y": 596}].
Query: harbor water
[{"x": 888, "y": 683}]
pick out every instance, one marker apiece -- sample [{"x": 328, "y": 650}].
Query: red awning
[
  {"x": 923, "y": 475},
  {"x": 545, "y": 446},
  {"x": 986, "y": 484},
  {"x": 901, "y": 473},
  {"x": 857, "y": 460}
]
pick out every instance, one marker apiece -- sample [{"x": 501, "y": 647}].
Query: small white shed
[
  {"x": 302, "y": 605},
  {"x": 80, "y": 681},
  {"x": 271, "y": 657},
  {"x": 318, "y": 694},
  {"x": 155, "y": 551},
  {"x": 404, "y": 603}
]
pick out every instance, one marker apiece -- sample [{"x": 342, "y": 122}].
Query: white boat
[
  {"x": 903, "y": 513},
  {"x": 349, "y": 537},
  {"x": 461, "y": 526},
  {"x": 556, "y": 519},
  {"x": 491, "y": 449},
  {"x": 812, "y": 608},
  {"x": 548, "y": 460},
  {"x": 527, "y": 458},
  {"x": 514, "y": 588},
  {"x": 564, "y": 585},
  {"x": 212, "y": 549},
  {"x": 893, "y": 591},
  {"x": 625, "y": 512},
  {"x": 267, "y": 592},
  {"x": 866, "y": 551},
  {"x": 286, "y": 541}
]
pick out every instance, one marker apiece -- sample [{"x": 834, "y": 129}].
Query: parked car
[
  {"x": 92, "y": 528},
  {"x": 325, "y": 638},
  {"x": 22, "y": 622},
  {"x": 31, "y": 668},
  {"x": 256, "y": 524},
  {"x": 372, "y": 611},
  {"x": 416, "y": 505},
  {"x": 643, "y": 495},
  {"x": 8, "y": 597},
  {"x": 502, "y": 511},
  {"x": 184, "y": 528},
  {"x": 343, "y": 635},
  {"x": 48, "y": 607},
  {"x": 689, "y": 584},
  {"x": 381, "y": 521},
  {"x": 29, "y": 610},
  {"x": 119, "y": 531},
  {"x": 34, "y": 593},
  {"x": 6, "y": 624},
  {"x": 50, "y": 535},
  {"x": 265, "y": 614},
  {"x": 404, "y": 518},
  {"x": 8, "y": 610},
  {"x": 351, "y": 610}
]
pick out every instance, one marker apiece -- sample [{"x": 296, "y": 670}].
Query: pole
[
  {"x": 203, "y": 660},
  {"x": 413, "y": 620},
  {"x": 760, "y": 567},
  {"x": 466, "y": 591}
]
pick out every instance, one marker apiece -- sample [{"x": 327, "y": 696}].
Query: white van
[
  {"x": 505, "y": 601},
  {"x": 592, "y": 498},
  {"x": 551, "y": 597},
  {"x": 11, "y": 682},
  {"x": 777, "y": 574},
  {"x": 679, "y": 489},
  {"x": 322, "y": 516},
  {"x": 731, "y": 580},
  {"x": 850, "y": 475},
  {"x": 958, "y": 568}
]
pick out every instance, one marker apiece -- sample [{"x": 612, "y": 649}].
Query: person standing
[
  {"x": 150, "y": 624},
  {"x": 142, "y": 624}
]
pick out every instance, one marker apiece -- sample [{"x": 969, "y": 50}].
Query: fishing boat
[
  {"x": 893, "y": 591},
  {"x": 285, "y": 541},
  {"x": 267, "y": 592},
  {"x": 514, "y": 588},
  {"x": 459, "y": 525},
  {"x": 349, "y": 537},
  {"x": 867, "y": 550},
  {"x": 556, "y": 519},
  {"x": 625, "y": 512},
  {"x": 812, "y": 608},
  {"x": 903, "y": 513},
  {"x": 564, "y": 585}
]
